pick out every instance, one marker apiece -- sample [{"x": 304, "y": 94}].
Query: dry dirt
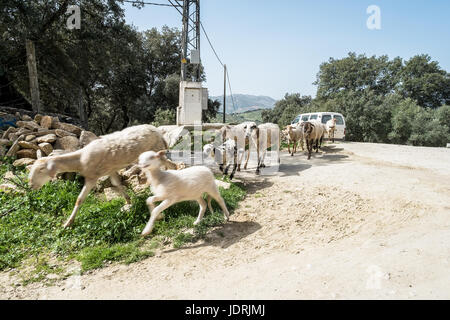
[{"x": 356, "y": 221}]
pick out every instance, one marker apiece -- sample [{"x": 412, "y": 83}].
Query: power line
[
  {"x": 212, "y": 47},
  {"x": 231, "y": 92},
  {"x": 150, "y": 3}
]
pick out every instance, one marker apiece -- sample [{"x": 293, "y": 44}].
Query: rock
[
  {"x": 9, "y": 175},
  {"x": 7, "y": 187},
  {"x": 70, "y": 128},
  {"x": 57, "y": 152},
  {"x": 5, "y": 142},
  {"x": 31, "y": 125},
  {"x": 86, "y": 137},
  {"x": 30, "y": 137},
  {"x": 67, "y": 143},
  {"x": 110, "y": 194},
  {"x": 55, "y": 122},
  {"x": 136, "y": 184},
  {"x": 46, "y": 148},
  {"x": 8, "y": 131},
  {"x": 102, "y": 183},
  {"x": 37, "y": 118},
  {"x": 62, "y": 133},
  {"x": 28, "y": 145},
  {"x": 23, "y": 162},
  {"x": 49, "y": 138},
  {"x": 222, "y": 184},
  {"x": 15, "y": 147},
  {"x": 134, "y": 170},
  {"x": 46, "y": 122},
  {"x": 40, "y": 154},
  {"x": 26, "y": 117},
  {"x": 42, "y": 132},
  {"x": 26, "y": 153}
]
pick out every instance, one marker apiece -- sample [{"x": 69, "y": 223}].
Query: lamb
[
  {"x": 230, "y": 149},
  {"x": 313, "y": 133},
  {"x": 101, "y": 157},
  {"x": 173, "y": 186},
  {"x": 294, "y": 135},
  {"x": 331, "y": 128}
]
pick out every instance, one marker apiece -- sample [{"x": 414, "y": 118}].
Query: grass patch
[{"x": 32, "y": 224}]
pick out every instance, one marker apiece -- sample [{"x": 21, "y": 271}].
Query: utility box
[{"x": 193, "y": 100}]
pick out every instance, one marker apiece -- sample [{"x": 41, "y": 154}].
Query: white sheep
[
  {"x": 229, "y": 148},
  {"x": 101, "y": 157},
  {"x": 331, "y": 128},
  {"x": 294, "y": 135},
  {"x": 264, "y": 136},
  {"x": 173, "y": 186}
]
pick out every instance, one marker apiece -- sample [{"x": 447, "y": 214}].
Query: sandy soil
[{"x": 356, "y": 221}]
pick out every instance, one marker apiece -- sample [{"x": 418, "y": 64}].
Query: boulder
[
  {"x": 37, "y": 118},
  {"x": 46, "y": 148},
  {"x": 7, "y": 187},
  {"x": 8, "y": 131},
  {"x": 9, "y": 175},
  {"x": 40, "y": 154},
  {"x": 86, "y": 137},
  {"x": 15, "y": 147},
  {"x": 69, "y": 127},
  {"x": 48, "y": 138},
  {"x": 23, "y": 162},
  {"x": 31, "y": 125},
  {"x": 5, "y": 142},
  {"x": 26, "y": 153},
  {"x": 46, "y": 122},
  {"x": 30, "y": 137},
  {"x": 67, "y": 143},
  {"x": 55, "y": 122},
  {"x": 26, "y": 117},
  {"x": 42, "y": 132},
  {"x": 28, "y": 145},
  {"x": 62, "y": 133},
  {"x": 110, "y": 194}
]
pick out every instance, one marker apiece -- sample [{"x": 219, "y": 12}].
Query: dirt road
[{"x": 356, "y": 221}]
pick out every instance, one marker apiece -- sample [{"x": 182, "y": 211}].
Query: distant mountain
[{"x": 245, "y": 102}]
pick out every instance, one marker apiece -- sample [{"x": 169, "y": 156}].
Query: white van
[{"x": 324, "y": 117}]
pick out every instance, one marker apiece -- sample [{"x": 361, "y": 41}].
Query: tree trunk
[{"x": 32, "y": 72}]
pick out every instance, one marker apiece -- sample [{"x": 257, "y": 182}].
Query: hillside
[
  {"x": 245, "y": 102},
  {"x": 252, "y": 115}
]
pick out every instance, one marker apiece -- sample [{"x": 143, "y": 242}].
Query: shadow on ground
[{"x": 225, "y": 235}]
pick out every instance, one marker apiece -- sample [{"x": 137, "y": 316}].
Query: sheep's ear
[
  {"x": 161, "y": 153},
  {"x": 51, "y": 168}
]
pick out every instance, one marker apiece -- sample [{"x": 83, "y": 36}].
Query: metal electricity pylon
[{"x": 190, "y": 40}]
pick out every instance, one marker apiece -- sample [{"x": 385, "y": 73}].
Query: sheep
[
  {"x": 173, "y": 186},
  {"x": 295, "y": 135},
  {"x": 264, "y": 141},
  {"x": 101, "y": 157},
  {"x": 230, "y": 149},
  {"x": 313, "y": 133},
  {"x": 243, "y": 135},
  {"x": 331, "y": 128}
]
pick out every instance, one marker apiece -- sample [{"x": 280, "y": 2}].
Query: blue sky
[{"x": 275, "y": 47}]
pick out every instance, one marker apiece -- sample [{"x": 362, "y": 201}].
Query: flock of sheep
[{"x": 146, "y": 145}]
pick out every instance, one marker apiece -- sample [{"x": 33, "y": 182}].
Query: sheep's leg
[
  {"x": 88, "y": 185},
  {"x": 155, "y": 213},
  {"x": 202, "y": 205},
  {"x": 248, "y": 156},
  {"x": 117, "y": 185},
  {"x": 150, "y": 203},
  {"x": 209, "y": 204},
  {"x": 289, "y": 145},
  {"x": 302, "y": 145},
  {"x": 216, "y": 196},
  {"x": 309, "y": 148}
]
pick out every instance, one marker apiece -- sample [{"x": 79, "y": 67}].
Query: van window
[
  {"x": 305, "y": 117},
  {"x": 313, "y": 116},
  {"x": 297, "y": 118},
  {"x": 325, "y": 118},
  {"x": 339, "y": 120}
]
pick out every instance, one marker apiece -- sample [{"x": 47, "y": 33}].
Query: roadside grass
[{"x": 31, "y": 225}]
